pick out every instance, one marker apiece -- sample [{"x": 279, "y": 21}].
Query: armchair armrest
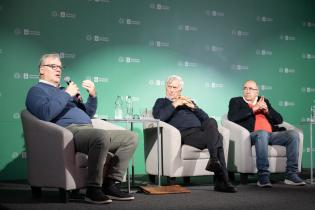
[
  {"x": 289, "y": 126},
  {"x": 226, "y": 141},
  {"x": 170, "y": 146},
  {"x": 240, "y": 145},
  {"x": 48, "y": 146}
]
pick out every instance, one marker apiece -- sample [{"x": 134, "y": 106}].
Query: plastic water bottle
[
  {"x": 118, "y": 108},
  {"x": 129, "y": 107}
]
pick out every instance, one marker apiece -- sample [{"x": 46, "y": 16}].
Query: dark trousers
[{"x": 207, "y": 136}]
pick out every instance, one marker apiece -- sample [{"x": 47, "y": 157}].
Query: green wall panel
[{"x": 129, "y": 47}]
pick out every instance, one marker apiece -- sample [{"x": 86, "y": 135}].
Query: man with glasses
[
  {"x": 64, "y": 106},
  {"x": 256, "y": 114}
]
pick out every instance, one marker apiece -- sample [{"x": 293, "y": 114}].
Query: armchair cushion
[{"x": 191, "y": 153}]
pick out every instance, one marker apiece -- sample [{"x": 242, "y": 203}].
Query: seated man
[
  {"x": 256, "y": 114},
  {"x": 64, "y": 107},
  {"x": 196, "y": 128}
]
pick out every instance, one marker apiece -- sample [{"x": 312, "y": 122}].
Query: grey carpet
[{"x": 18, "y": 196}]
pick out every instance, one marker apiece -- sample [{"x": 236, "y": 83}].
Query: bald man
[{"x": 256, "y": 114}]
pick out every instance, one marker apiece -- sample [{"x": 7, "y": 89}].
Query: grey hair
[
  {"x": 175, "y": 77},
  {"x": 51, "y": 55}
]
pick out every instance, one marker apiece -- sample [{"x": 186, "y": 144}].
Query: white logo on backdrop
[
  {"x": 16, "y": 115},
  {"x": 287, "y": 37},
  {"x": 63, "y": 14},
  {"x": 265, "y": 87},
  {"x": 15, "y": 155},
  {"x": 128, "y": 21},
  {"x": 263, "y": 52},
  {"x": 97, "y": 79},
  {"x": 187, "y": 28},
  {"x": 187, "y": 64},
  {"x": 286, "y": 103},
  {"x": 100, "y": 1},
  {"x": 264, "y": 19},
  {"x": 240, "y": 33},
  {"x": 97, "y": 38},
  {"x": 308, "y": 89},
  {"x": 239, "y": 67},
  {"x": 214, "y": 48},
  {"x": 26, "y": 32},
  {"x": 18, "y": 75},
  {"x": 214, "y": 13},
  {"x": 308, "y": 24},
  {"x": 153, "y": 43},
  {"x": 67, "y": 55},
  {"x": 308, "y": 56},
  {"x": 156, "y": 82},
  {"x": 214, "y": 85},
  {"x": 159, "y": 6},
  {"x": 286, "y": 70},
  {"x": 122, "y": 59}
]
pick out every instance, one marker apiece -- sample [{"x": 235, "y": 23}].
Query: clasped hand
[
  {"x": 261, "y": 106},
  {"x": 184, "y": 101},
  {"x": 73, "y": 90}
]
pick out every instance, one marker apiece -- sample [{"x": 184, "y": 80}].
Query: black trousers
[{"x": 207, "y": 136}]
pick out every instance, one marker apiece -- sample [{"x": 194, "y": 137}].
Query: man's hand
[
  {"x": 90, "y": 87},
  {"x": 261, "y": 106},
  {"x": 72, "y": 89},
  {"x": 184, "y": 100}
]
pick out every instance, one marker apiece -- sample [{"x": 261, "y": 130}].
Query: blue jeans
[{"x": 290, "y": 139}]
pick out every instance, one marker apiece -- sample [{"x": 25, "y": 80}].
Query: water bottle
[
  {"x": 129, "y": 107},
  {"x": 118, "y": 108}
]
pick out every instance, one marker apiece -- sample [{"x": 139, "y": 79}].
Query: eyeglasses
[
  {"x": 249, "y": 88},
  {"x": 54, "y": 66}
]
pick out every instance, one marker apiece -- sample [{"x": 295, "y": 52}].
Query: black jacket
[
  {"x": 181, "y": 118},
  {"x": 242, "y": 114}
]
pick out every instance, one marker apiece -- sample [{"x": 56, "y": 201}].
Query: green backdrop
[{"x": 129, "y": 47}]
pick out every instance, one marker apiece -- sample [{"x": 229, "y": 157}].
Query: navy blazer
[
  {"x": 181, "y": 117},
  {"x": 242, "y": 114}
]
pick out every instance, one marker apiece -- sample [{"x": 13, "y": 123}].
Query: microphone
[
  {"x": 78, "y": 99},
  {"x": 68, "y": 81}
]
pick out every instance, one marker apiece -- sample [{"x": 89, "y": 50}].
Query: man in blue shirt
[
  {"x": 64, "y": 106},
  {"x": 196, "y": 128}
]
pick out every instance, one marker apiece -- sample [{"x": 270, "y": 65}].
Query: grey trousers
[{"x": 96, "y": 143}]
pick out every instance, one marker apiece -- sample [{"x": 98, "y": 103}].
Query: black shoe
[
  {"x": 113, "y": 192},
  {"x": 225, "y": 187},
  {"x": 214, "y": 166},
  {"x": 96, "y": 195}
]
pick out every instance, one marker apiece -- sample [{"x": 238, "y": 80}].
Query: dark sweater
[
  {"x": 242, "y": 114},
  {"x": 53, "y": 104},
  {"x": 181, "y": 118}
]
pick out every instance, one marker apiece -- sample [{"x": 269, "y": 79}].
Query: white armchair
[
  {"x": 177, "y": 160},
  {"x": 242, "y": 155},
  {"x": 51, "y": 157}
]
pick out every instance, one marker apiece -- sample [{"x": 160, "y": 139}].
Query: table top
[{"x": 133, "y": 120}]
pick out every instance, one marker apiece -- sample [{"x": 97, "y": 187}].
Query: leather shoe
[
  {"x": 214, "y": 166},
  {"x": 225, "y": 187}
]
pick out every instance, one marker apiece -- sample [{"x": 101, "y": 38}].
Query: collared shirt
[{"x": 49, "y": 83}]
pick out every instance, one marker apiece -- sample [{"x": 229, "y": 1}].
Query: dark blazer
[{"x": 242, "y": 114}]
